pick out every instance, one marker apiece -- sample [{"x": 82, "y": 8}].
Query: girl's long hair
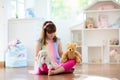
[{"x": 49, "y": 27}]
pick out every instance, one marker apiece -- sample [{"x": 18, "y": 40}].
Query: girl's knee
[{"x": 69, "y": 64}]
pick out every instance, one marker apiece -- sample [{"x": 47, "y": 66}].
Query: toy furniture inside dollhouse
[{"x": 99, "y": 37}]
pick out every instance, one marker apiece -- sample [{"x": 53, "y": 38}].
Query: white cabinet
[{"x": 100, "y": 33}]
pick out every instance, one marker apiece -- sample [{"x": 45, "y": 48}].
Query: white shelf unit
[
  {"x": 77, "y": 38},
  {"x": 95, "y": 42},
  {"x": 96, "y": 56}
]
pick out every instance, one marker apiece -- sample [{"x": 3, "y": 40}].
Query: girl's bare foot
[
  {"x": 72, "y": 70},
  {"x": 51, "y": 72}
]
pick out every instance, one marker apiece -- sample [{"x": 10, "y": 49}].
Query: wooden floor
[{"x": 104, "y": 70}]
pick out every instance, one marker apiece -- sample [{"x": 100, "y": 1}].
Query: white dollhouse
[{"x": 98, "y": 36}]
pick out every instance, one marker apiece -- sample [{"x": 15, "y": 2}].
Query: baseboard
[{"x": 2, "y": 64}]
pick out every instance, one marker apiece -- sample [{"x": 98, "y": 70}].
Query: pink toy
[
  {"x": 102, "y": 21},
  {"x": 115, "y": 55}
]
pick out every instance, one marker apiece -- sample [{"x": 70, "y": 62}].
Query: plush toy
[
  {"x": 43, "y": 58},
  {"x": 115, "y": 55},
  {"x": 96, "y": 60},
  {"x": 114, "y": 42},
  {"x": 90, "y": 22},
  {"x": 71, "y": 53}
]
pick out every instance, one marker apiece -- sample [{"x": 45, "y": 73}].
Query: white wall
[
  {"x": 27, "y": 31},
  {"x": 3, "y": 27},
  {"x": 42, "y": 8},
  {"x": 63, "y": 31}
]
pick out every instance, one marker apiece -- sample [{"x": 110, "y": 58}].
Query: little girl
[{"x": 50, "y": 42}]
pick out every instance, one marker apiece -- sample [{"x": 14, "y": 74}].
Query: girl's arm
[
  {"x": 37, "y": 49},
  {"x": 60, "y": 49}
]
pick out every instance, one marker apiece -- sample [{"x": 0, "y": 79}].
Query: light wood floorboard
[{"x": 104, "y": 70}]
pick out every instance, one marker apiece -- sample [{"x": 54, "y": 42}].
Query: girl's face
[{"x": 50, "y": 35}]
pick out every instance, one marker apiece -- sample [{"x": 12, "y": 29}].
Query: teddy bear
[
  {"x": 71, "y": 53},
  {"x": 44, "y": 58}
]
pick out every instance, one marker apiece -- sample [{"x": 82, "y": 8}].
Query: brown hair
[{"x": 49, "y": 27}]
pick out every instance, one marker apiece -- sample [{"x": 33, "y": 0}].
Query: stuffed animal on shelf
[
  {"x": 90, "y": 23},
  {"x": 114, "y": 42},
  {"x": 97, "y": 60},
  {"x": 115, "y": 55},
  {"x": 71, "y": 53},
  {"x": 44, "y": 58}
]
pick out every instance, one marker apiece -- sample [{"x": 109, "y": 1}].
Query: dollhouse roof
[{"x": 99, "y": 3}]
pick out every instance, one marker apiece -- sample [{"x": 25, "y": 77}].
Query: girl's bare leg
[
  {"x": 56, "y": 71},
  {"x": 59, "y": 70},
  {"x": 66, "y": 67}
]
